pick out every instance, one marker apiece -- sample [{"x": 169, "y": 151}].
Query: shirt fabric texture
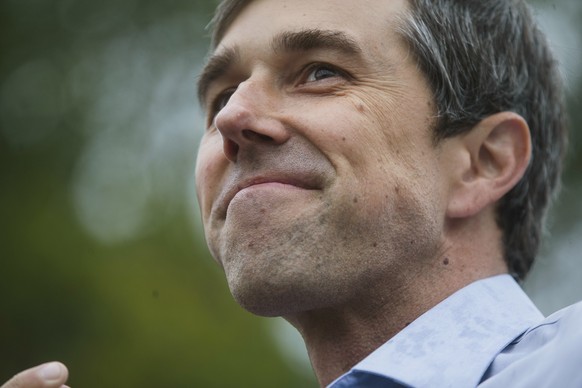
[{"x": 488, "y": 334}]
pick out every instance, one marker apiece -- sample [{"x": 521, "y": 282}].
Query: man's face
[{"x": 317, "y": 177}]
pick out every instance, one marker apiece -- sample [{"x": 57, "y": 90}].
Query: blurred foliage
[{"x": 102, "y": 265}]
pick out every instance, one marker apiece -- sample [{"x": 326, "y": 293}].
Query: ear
[{"x": 489, "y": 160}]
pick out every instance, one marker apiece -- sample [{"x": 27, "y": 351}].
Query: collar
[{"x": 453, "y": 344}]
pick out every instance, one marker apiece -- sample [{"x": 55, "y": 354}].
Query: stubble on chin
[{"x": 275, "y": 274}]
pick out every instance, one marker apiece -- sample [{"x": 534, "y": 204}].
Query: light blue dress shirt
[{"x": 488, "y": 334}]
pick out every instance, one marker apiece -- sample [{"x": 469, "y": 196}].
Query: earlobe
[{"x": 496, "y": 153}]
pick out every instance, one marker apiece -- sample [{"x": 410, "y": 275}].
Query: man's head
[{"x": 348, "y": 144}]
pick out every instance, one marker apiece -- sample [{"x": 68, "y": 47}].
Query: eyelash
[
  {"x": 216, "y": 107},
  {"x": 319, "y": 66}
]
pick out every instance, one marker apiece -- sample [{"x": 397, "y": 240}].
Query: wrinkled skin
[{"x": 344, "y": 196}]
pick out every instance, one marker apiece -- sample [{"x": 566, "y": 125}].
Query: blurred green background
[{"x": 103, "y": 263}]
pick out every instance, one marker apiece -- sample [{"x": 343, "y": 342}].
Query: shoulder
[{"x": 549, "y": 354}]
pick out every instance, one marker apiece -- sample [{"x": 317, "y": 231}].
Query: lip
[{"x": 304, "y": 182}]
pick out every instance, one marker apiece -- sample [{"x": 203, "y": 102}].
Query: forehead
[
  {"x": 262, "y": 29},
  {"x": 369, "y": 21}
]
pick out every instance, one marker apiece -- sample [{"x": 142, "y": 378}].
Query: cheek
[
  {"x": 339, "y": 127},
  {"x": 209, "y": 164}
]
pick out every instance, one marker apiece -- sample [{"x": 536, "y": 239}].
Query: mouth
[{"x": 277, "y": 181}]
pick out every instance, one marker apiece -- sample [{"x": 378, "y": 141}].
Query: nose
[{"x": 249, "y": 120}]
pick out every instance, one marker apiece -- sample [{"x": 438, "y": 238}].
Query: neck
[{"x": 338, "y": 338}]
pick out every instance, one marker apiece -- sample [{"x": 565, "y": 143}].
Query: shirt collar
[{"x": 453, "y": 343}]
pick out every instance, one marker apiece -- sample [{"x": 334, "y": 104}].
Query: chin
[
  {"x": 284, "y": 270},
  {"x": 270, "y": 294},
  {"x": 261, "y": 308},
  {"x": 265, "y": 298}
]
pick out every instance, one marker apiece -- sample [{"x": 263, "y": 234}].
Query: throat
[{"x": 337, "y": 340}]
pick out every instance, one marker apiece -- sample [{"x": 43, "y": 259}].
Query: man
[{"x": 372, "y": 171}]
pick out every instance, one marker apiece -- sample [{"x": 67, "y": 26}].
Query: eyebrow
[
  {"x": 313, "y": 39},
  {"x": 287, "y": 41},
  {"x": 216, "y": 67}
]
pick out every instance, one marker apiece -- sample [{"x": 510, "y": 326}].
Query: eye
[
  {"x": 220, "y": 101},
  {"x": 320, "y": 72}
]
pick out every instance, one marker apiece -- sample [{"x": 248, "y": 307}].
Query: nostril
[
  {"x": 230, "y": 149},
  {"x": 252, "y": 135}
]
